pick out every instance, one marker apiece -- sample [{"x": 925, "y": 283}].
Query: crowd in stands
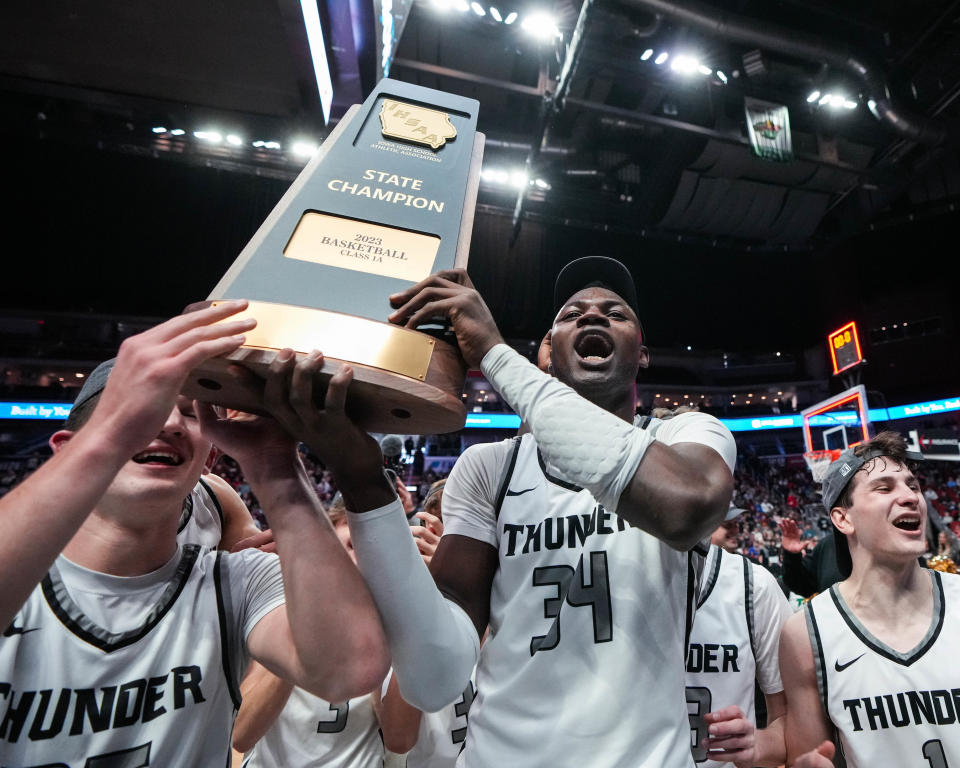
[{"x": 765, "y": 490}]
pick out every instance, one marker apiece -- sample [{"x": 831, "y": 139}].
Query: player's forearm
[
  {"x": 771, "y": 749},
  {"x": 264, "y": 697},
  {"x": 433, "y": 644},
  {"x": 42, "y": 514},
  {"x": 334, "y": 664},
  {"x": 680, "y": 493},
  {"x": 669, "y": 493},
  {"x": 399, "y": 721}
]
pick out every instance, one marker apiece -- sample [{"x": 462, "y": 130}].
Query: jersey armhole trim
[
  {"x": 692, "y": 604},
  {"x": 225, "y": 637},
  {"x": 186, "y": 512},
  {"x": 215, "y": 499},
  {"x": 748, "y": 606},
  {"x": 507, "y": 475},
  {"x": 711, "y": 581},
  {"x": 818, "y": 660}
]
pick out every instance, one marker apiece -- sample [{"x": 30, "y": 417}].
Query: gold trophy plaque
[{"x": 387, "y": 200}]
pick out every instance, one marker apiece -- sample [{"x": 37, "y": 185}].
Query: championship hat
[{"x": 596, "y": 271}]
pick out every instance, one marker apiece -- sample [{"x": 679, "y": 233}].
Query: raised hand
[
  {"x": 790, "y": 537},
  {"x": 731, "y": 736},
  {"x": 450, "y": 294},
  {"x": 263, "y": 541},
  {"x": 152, "y": 366}
]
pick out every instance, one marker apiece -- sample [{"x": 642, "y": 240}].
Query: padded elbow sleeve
[{"x": 585, "y": 444}]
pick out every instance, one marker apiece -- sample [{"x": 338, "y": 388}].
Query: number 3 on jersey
[{"x": 572, "y": 588}]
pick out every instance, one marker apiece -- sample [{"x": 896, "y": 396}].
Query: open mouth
[
  {"x": 907, "y": 523},
  {"x": 593, "y": 347},
  {"x": 167, "y": 458}
]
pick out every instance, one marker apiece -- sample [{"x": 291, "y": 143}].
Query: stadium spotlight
[
  {"x": 511, "y": 17},
  {"x": 159, "y": 129},
  {"x": 813, "y": 97},
  {"x": 703, "y": 69},
  {"x": 684, "y": 64},
  {"x": 478, "y": 9},
  {"x": 212, "y": 136},
  {"x": 646, "y": 54},
  {"x": 271, "y": 144},
  {"x": 542, "y": 184},
  {"x": 461, "y": 5},
  {"x": 303, "y": 148},
  {"x": 540, "y": 25},
  {"x": 721, "y": 77},
  {"x": 177, "y": 132},
  {"x": 518, "y": 179},
  {"x": 495, "y": 14},
  {"x": 233, "y": 139},
  {"x": 662, "y": 57}
]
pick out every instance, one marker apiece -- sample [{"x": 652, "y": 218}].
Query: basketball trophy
[{"x": 387, "y": 200}]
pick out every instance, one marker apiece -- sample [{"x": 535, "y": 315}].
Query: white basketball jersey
[
  {"x": 721, "y": 665},
  {"x": 442, "y": 734},
  {"x": 74, "y": 695},
  {"x": 589, "y": 618},
  {"x": 314, "y": 732},
  {"x": 890, "y": 708},
  {"x": 201, "y": 519}
]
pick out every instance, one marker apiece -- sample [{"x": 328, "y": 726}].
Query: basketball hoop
[{"x": 818, "y": 461}]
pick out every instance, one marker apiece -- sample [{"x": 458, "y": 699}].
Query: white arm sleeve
[
  {"x": 585, "y": 444},
  {"x": 433, "y": 643},
  {"x": 770, "y": 610}
]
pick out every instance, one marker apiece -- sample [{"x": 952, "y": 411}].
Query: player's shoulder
[{"x": 488, "y": 457}]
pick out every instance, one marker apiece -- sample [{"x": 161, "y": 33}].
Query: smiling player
[{"x": 874, "y": 660}]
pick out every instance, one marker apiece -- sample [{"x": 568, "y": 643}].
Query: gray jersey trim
[
  {"x": 711, "y": 581},
  {"x": 228, "y": 634},
  {"x": 874, "y": 644},
  {"x": 818, "y": 659},
  {"x": 74, "y": 619},
  {"x": 748, "y": 594}
]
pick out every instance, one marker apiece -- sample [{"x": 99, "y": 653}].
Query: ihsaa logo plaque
[{"x": 408, "y": 122}]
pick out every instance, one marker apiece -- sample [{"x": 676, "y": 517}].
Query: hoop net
[{"x": 818, "y": 461}]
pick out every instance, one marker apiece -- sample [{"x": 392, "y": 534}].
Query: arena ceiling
[{"x": 623, "y": 155}]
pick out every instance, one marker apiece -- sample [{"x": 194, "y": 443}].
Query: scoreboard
[{"x": 844, "y": 344}]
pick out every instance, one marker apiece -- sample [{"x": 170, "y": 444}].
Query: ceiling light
[
  {"x": 511, "y": 17},
  {"x": 540, "y": 26},
  {"x": 303, "y": 148},
  {"x": 661, "y": 57},
  {"x": 824, "y": 99},
  {"x": 684, "y": 64},
  {"x": 501, "y": 176},
  {"x": 850, "y": 104},
  {"x": 689, "y": 348},
  {"x": 495, "y": 14},
  {"x": 232, "y": 138},
  {"x": 159, "y": 129},
  {"x": 271, "y": 144},
  {"x": 258, "y": 143},
  {"x": 441, "y": 5},
  {"x": 212, "y": 136},
  {"x": 813, "y": 97},
  {"x": 177, "y": 132},
  {"x": 646, "y": 54},
  {"x": 721, "y": 77},
  {"x": 704, "y": 70},
  {"x": 518, "y": 179},
  {"x": 478, "y": 9},
  {"x": 837, "y": 100},
  {"x": 79, "y": 375},
  {"x": 541, "y": 184},
  {"x": 461, "y": 5},
  {"x": 778, "y": 354}
]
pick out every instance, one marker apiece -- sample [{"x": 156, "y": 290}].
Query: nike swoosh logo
[
  {"x": 13, "y": 630},
  {"x": 520, "y": 493},
  {"x": 840, "y": 667}
]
